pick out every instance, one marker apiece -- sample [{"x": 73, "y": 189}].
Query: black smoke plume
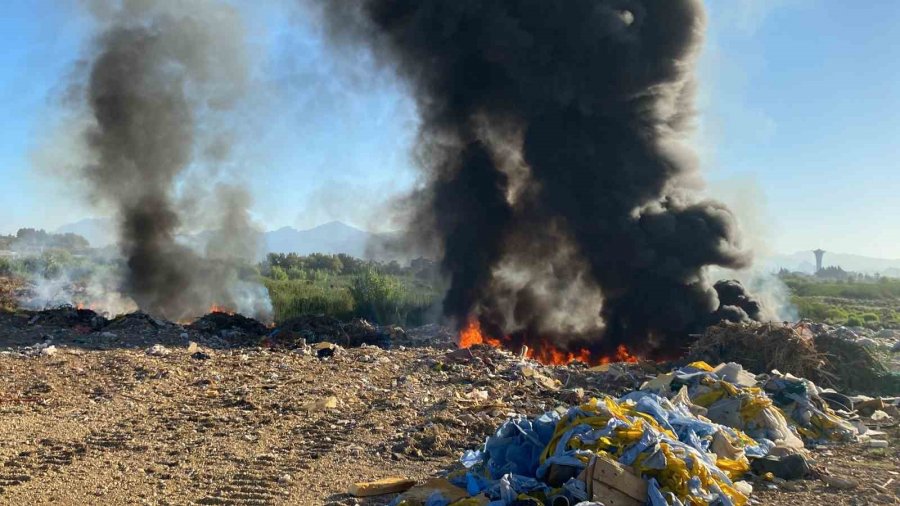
[
  {"x": 158, "y": 71},
  {"x": 557, "y": 178}
]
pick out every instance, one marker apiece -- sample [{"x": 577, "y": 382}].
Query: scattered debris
[
  {"x": 788, "y": 467},
  {"x": 381, "y": 487},
  {"x": 158, "y": 350},
  {"x": 321, "y": 405},
  {"x": 840, "y": 483}
]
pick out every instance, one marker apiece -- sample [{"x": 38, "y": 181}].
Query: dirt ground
[
  {"x": 255, "y": 426},
  {"x": 99, "y": 419}
]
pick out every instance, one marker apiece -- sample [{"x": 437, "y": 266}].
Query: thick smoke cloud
[
  {"x": 553, "y": 145},
  {"x": 160, "y": 73}
]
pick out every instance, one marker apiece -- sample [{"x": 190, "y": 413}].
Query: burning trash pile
[
  {"x": 220, "y": 328},
  {"x": 695, "y": 435}
]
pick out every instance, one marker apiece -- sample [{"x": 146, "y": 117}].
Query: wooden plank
[
  {"x": 381, "y": 487},
  {"x": 606, "y": 471},
  {"x": 612, "y": 497}
]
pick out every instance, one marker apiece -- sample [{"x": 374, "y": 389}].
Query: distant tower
[{"x": 819, "y": 254}]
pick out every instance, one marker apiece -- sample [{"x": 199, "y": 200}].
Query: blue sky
[{"x": 799, "y": 124}]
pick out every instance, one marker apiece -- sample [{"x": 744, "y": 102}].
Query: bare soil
[{"x": 253, "y": 426}]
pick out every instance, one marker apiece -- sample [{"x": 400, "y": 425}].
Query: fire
[
  {"x": 622, "y": 355},
  {"x": 545, "y": 351},
  {"x": 551, "y": 355},
  {"x": 215, "y": 308},
  {"x": 471, "y": 335}
]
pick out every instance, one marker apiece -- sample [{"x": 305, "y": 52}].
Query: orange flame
[
  {"x": 215, "y": 308},
  {"x": 545, "y": 352},
  {"x": 471, "y": 335},
  {"x": 622, "y": 355},
  {"x": 551, "y": 355}
]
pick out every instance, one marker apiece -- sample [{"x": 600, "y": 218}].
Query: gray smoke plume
[
  {"x": 556, "y": 166},
  {"x": 160, "y": 73}
]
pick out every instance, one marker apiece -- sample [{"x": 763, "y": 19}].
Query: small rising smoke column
[
  {"x": 564, "y": 122},
  {"x": 158, "y": 68}
]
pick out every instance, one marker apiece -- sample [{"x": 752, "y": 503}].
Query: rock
[
  {"x": 319, "y": 405},
  {"x": 877, "y": 443},
  {"x": 789, "y": 467},
  {"x": 840, "y": 483},
  {"x": 460, "y": 356},
  {"x": 49, "y": 351},
  {"x": 158, "y": 350},
  {"x": 325, "y": 349},
  {"x": 868, "y": 342},
  {"x": 199, "y": 355},
  {"x": 284, "y": 479}
]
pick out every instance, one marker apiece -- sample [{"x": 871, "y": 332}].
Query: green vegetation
[
  {"x": 807, "y": 286},
  {"x": 346, "y": 287},
  {"x": 388, "y": 293},
  {"x": 872, "y": 302}
]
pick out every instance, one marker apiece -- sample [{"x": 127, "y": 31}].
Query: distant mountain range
[
  {"x": 332, "y": 238},
  {"x": 337, "y": 237},
  {"x": 100, "y": 232}
]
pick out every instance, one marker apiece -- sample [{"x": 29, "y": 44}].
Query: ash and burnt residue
[
  {"x": 312, "y": 329},
  {"x": 84, "y": 328},
  {"x": 229, "y": 325},
  {"x": 560, "y": 189}
]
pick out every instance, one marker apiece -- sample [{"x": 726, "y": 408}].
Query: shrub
[
  {"x": 854, "y": 321},
  {"x": 378, "y": 296},
  {"x": 278, "y": 274},
  {"x": 871, "y": 318},
  {"x": 295, "y": 298}
]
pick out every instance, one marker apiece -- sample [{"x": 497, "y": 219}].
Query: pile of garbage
[
  {"x": 79, "y": 319},
  {"x": 695, "y": 435},
  {"x": 233, "y": 327},
  {"x": 831, "y": 356},
  {"x": 313, "y": 329}
]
